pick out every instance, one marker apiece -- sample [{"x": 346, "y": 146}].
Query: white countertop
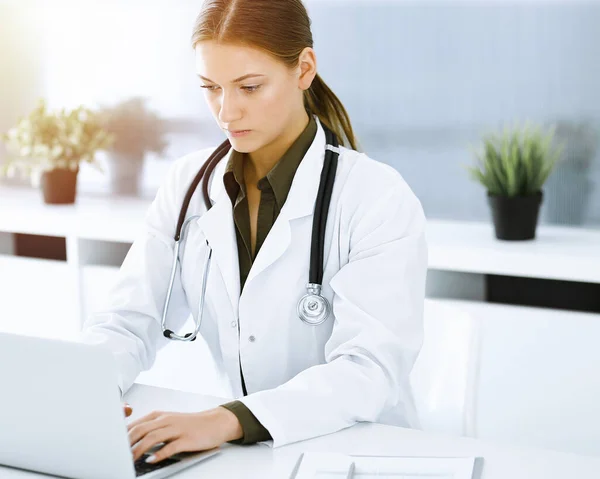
[
  {"x": 558, "y": 252},
  {"x": 564, "y": 253},
  {"x": 259, "y": 461},
  {"x": 104, "y": 218}
]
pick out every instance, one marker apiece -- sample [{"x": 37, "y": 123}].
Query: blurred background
[{"x": 422, "y": 81}]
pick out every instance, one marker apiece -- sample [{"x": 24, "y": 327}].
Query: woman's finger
[
  {"x": 148, "y": 417},
  {"x": 166, "y": 434},
  {"x": 138, "y": 432},
  {"x": 168, "y": 450}
]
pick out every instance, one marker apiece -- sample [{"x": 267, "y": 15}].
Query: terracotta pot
[{"x": 59, "y": 186}]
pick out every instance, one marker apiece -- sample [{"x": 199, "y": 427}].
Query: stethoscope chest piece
[{"x": 313, "y": 308}]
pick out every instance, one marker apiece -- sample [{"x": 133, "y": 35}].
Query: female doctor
[{"x": 301, "y": 362}]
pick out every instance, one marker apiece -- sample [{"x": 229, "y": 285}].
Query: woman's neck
[{"x": 263, "y": 160}]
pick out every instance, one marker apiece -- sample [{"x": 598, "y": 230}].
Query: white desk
[
  {"x": 564, "y": 253},
  {"x": 99, "y": 231},
  {"x": 262, "y": 462},
  {"x": 558, "y": 252}
]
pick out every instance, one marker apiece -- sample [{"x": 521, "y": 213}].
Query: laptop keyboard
[{"x": 142, "y": 467}]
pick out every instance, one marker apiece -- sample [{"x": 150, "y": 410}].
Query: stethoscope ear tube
[
  {"x": 167, "y": 333},
  {"x": 333, "y": 162},
  {"x": 203, "y": 174},
  {"x": 322, "y": 209}
]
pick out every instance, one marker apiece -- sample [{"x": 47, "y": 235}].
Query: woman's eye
[
  {"x": 209, "y": 87},
  {"x": 250, "y": 88}
]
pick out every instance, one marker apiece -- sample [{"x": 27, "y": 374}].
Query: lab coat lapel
[
  {"x": 299, "y": 203},
  {"x": 218, "y": 226}
]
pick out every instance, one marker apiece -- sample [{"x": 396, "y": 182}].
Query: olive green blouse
[{"x": 274, "y": 189}]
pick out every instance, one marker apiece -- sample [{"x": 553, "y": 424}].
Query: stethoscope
[{"x": 313, "y": 308}]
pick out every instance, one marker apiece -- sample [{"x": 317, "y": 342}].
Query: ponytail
[{"x": 320, "y": 100}]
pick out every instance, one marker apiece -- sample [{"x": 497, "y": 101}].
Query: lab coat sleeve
[
  {"x": 378, "y": 331},
  {"x": 128, "y": 324}
]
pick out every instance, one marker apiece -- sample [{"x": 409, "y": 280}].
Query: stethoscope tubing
[{"x": 310, "y": 302}]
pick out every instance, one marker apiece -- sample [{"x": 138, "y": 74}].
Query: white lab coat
[{"x": 302, "y": 381}]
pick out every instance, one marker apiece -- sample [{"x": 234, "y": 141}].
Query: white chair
[
  {"x": 538, "y": 381},
  {"x": 444, "y": 377},
  {"x": 516, "y": 375}
]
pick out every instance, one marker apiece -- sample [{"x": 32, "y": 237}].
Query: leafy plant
[
  {"x": 136, "y": 128},
  {"x": 516, "y": 162},
  {"x": 46, "y": 140}
]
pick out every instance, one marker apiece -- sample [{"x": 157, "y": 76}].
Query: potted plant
[
  {"x": 137, "y": 130},
  {"x": 51, "y": 145},
  {"x": 513, "y": 167}
]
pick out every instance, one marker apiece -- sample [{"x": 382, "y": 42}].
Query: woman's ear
[{"x": 307, "y": 63}]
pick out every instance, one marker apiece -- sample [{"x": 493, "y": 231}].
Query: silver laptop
[{"x": 61, "y": 413}]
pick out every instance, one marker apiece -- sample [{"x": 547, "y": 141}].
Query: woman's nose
[{"x": 230, "y": 110}]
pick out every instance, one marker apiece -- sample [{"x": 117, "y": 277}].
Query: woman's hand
[{"x": 182, "y": 432}]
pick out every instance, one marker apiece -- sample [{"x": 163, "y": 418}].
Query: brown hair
[{"x": 281, "y": 28}]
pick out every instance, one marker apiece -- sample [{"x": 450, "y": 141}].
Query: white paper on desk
[{"x": 317, "y": 465}]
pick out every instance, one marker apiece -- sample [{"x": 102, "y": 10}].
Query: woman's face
[{"x": 252, "y": 95}]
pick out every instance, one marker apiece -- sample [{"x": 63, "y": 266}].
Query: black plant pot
[
  {"x": 515, "y": 218},
  {"x": 59, "y": 186}
]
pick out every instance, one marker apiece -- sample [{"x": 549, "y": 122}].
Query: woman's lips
[{"x": 238, "y": 133}]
